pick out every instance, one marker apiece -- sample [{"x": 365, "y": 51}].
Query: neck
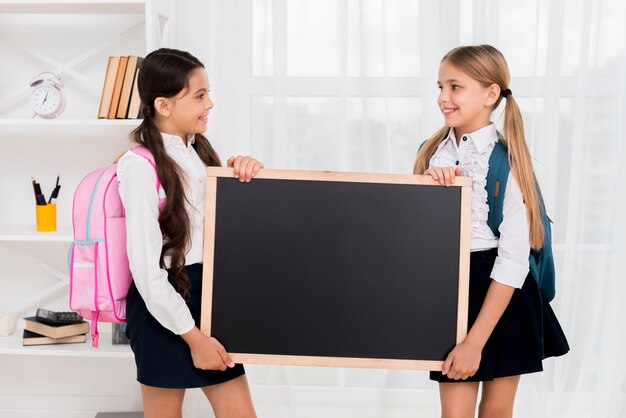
[
  {"x": 459, "y": 131},
  {"x": 166, "y": 127}
]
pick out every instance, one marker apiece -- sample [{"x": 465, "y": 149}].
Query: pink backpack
[{"x": 99, "y": 272}]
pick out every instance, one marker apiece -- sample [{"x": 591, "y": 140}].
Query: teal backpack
[{"x": 541, "y": 261}]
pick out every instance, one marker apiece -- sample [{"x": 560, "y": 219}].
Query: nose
[
  {"x": 443, "y": 96},
  {"x": 208, "y": 103}
]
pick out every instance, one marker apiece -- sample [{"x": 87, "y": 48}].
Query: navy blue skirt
[
  {"x": 163, "y": 358},
  {"x": 527, "y": 332}
]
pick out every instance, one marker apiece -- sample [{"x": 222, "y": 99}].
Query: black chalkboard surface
[{"x": 336, "y": 269}]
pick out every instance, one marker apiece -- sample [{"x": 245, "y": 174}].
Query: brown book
[
  {"x": 134, "y": 62},
  {"x": 55, "y": 331},
  {"x": 32, "y": 338},
  {"x": 134, "y": 107},
  {"x": 117, "y": 89},
  {"x": 107, "y": 89}
]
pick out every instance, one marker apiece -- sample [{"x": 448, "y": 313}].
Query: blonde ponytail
[{"x": 522, "y": 169}]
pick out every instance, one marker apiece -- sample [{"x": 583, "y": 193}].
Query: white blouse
[
  {"x": 137, "y": 186},
  {"x": 472, "y": 155}
]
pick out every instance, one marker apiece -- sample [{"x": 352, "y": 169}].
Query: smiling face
[
  {"x": 188, "y": 111},
  {"x": 465, "y": 103}
]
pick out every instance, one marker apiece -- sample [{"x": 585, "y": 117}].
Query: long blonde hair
[{"x": 487, "y": 65}]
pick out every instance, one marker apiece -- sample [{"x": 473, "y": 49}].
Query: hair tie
[
  {"x": 147, "y": 111},
  {"x": 506, "y": 93}
]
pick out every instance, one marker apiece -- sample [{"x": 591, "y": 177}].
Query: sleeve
[
  {"x": 137, "y": 187},
  {"x": 511, "y": 266}
]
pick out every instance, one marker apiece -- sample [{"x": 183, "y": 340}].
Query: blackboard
[{"x": 336, "y": 269}]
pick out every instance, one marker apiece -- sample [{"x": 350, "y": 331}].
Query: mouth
[
  {"x": 204, "y": 118},
  {"x": 447, "y": 111}
]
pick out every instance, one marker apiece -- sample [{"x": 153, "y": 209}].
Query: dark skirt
[
  {"x": 163, "y": 358},
  {"x": 527, "y": 332}
]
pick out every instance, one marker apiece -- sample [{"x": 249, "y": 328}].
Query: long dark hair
[{"x": 165, "y": 73}]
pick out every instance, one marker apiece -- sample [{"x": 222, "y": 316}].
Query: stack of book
[
  {"x": 38, "y": 333},
  {"x": 120, "y": 96}
]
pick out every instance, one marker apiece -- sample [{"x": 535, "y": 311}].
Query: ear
[
  {"x": 162, "y": 106},
  {"x": 492, "y": 95}
]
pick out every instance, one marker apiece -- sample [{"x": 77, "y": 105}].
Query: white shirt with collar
[
  {"x": 137, "y": 187},
  {"x": 472, "y": 155}
]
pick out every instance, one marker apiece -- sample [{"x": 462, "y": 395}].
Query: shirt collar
[
  {"x": 169, "y": 139},
  {"x": 481, "y": 138},
  {"x": 484, "y": 137}
]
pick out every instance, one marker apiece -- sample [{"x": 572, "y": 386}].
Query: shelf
[
  {"x": 68, "y": 131},
  {"x": 69, "y": 122},
  {"x": 73, "y": 6},
  {"x": 13, "y": 345},
  {"x": 28, "y": 233}
]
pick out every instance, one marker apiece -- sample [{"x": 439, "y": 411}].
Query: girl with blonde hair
[{"x": 511, "y": 325}]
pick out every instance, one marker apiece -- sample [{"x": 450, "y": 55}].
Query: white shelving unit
[
  {"x": 26, "y": 233},
  {"x": 73, "y": 39},
  {"x": 12, "y": 345}
]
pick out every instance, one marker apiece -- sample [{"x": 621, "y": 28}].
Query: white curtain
[{"x": 351, "y": 85}]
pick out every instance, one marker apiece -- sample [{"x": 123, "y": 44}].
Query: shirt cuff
[
  {"x": 186, "y": 329},
  {"x": 509, "y": 272}
]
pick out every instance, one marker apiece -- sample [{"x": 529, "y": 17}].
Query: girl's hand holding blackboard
[
  {"x": 463, "y": 361},
  {"x": 245, "y": 167},
  {"x": 207, "y": 353},
  {"x": 444, "y": 175}
]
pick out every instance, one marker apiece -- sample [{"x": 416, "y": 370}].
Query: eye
[
  {"x": 455, "y": 87},
  {"x": 200, "y": 96},
  {"x": 439, "y": 86}
]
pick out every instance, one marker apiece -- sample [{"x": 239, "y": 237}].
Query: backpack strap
[
  {"x": 145, "y": 153},
  {"x": 541, "y": 262},
  {"x": 497, "y": 176}
]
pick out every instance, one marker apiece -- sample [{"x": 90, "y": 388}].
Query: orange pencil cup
[{"x": 46, "y": 217}]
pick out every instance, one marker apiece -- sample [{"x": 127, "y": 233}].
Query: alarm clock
[{"x": 47, "y": 98}]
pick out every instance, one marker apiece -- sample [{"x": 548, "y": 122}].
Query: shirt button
[
  {"x": 457, "y": 162},
  {"x": 464, "y": 138}
]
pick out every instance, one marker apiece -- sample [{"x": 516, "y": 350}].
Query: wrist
[
  {"x": 475, "y": 341},
  {"x": 192, "y": 336}
]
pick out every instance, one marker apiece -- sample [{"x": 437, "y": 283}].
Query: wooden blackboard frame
[{"x": 213, "y": 173}]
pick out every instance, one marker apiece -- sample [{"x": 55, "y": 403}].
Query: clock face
[{"x": 46, "y": 101}]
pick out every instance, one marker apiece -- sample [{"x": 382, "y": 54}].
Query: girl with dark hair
[{"x": 165, "y": 231}]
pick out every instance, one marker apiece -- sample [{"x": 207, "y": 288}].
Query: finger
[
  {"x": 436, "y": 173},
  {"x": 457, "y": 171},
  {"x": 243, "y": 168},
  {"x": 223, "y": 354},
  {"x": 447, "y": 365},
  {"x": 452, "y": 174},
  {"x": 445, "y": 175},
  {"x": 250, "y": 169},
  {"x": 441, "y": 172},
  {"x": 257, "y": 167},
  {"x": 229, "y": 163},
  {"x": 432, "y": 174},
  {"x": 236, "y": 164},
  {"x": 456, "y": 371}
]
